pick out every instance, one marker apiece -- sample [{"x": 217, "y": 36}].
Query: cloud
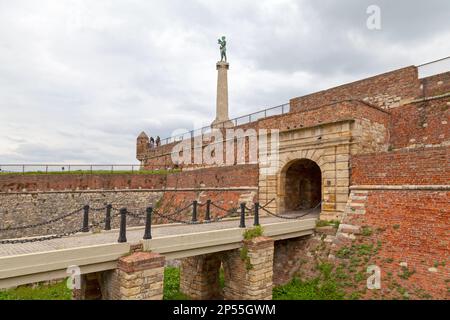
[{"x": 81, "y": 79}]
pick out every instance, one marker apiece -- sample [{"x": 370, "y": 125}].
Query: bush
[
  {"x": 253, "y": 233},
  {"x": 172, "y": 285}
]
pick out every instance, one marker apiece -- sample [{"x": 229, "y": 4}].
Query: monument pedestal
[{"x": 222, "y": 120}]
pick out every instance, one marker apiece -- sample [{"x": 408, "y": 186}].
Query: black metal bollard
[
  {"x": 208, "y": 210},
  {"x": 148, "y": 224},
  {"x": 123, "y": 226},
  {"x": 85, "y": 219},
  {"x": 242, "y": 222},
  {"x": 194, "y": 211},
  {"x": 108, "y": 217},
  {"x": 256, "y": 222}
]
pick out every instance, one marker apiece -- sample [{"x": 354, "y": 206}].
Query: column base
[{"x": 219, "y": 124}]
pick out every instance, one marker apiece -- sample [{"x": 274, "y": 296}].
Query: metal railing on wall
[
  {"x": 238, "y": 121},
  {"x": 434, "y": 67},
  {"x": 68, "y": 168}
]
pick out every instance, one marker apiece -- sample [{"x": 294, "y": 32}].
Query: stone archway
[{"x": 301, "y": 185}]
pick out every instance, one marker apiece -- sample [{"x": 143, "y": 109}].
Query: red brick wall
[
  {"x": 420, "y": 124},
  {"x": 417, "y": 166},
  {"x": 409, "y": 227},
  {"x": 343, "y": 110},
  {"x": 435, "y": 85},
  {"x": 226, "y": 200},
  {"x": 380, "y": 90},
  {"x": 232, "y": 176}
]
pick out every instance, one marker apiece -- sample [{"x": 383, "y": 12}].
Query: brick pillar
[
  {"x": 199, "y": 278},
  {"x": 249, "y": 270},
  {"x": 139, "y": 276}
]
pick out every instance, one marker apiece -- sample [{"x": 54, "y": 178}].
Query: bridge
[{"x": 105, "y": 257}]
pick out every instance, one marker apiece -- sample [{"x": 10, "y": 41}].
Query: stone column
[
  {"x": 222, "y": 119},
  {"x": 249, "y": 270},
  {"x": 139, "y": 276},
  {"x": 199, "y": 277}
]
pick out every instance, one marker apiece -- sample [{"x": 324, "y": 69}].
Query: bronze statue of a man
[{"x": 223, "y": 49}]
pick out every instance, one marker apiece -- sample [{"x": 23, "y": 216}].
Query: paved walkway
[{"x": 133, "y": 235}]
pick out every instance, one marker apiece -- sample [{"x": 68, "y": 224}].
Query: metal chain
[
  {"x": 98, "y": 209},
  {"x": 42, "y": 223},
  {"x": 267, "y": 203},
  {"x": 217, "y": 219},
  {"x": 179, "y": 210},
  {"x": 51, "y": 237},
  {"x": 288, "y": 217},
  {"x": 136, "y": 215},
  {"x": 231, "y": 211}
]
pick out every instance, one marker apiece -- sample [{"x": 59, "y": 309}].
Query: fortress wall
[
  {"x": 373, "y": 120},
  {"x": 232, "y": 176},
  {"x": 25, "y": 208},
  {"x": 421, "y": 124},
  {"x": 407, "y": 234},
  {"x": 435, "y": 85},
  {"x": 30, "y": 199},
  {"x": 430, "y": 166},
  {"x": 386, "y": 90},
  {"x": 343, "y": 110}
]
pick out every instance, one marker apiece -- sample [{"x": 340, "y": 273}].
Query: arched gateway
[
  {"x": 311, "y": 168},
  {"x": 302, "y": 185}
]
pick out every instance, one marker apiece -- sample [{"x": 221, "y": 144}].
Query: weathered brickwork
[
  {"x": 290, "y": 258},
  {"x": 429, "y": 166},
  {"x": 435, "y": 85},
  {"x": 410, "y": 231},
  {"x": 421, "y": 124},
  {"x": 386, "y": 90},
  {"x": 210, "y": 177}
]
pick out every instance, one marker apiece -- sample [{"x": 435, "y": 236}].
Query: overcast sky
[{"x": 79, "y": 80}]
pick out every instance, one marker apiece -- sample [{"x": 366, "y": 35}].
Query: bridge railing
[{"x": 150, "y": 213}]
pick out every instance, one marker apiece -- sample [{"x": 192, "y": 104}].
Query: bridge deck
[
  {"x": 134, "y": 235},
  {"x": 39, "y": 261}
]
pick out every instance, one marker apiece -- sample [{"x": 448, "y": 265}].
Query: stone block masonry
[
  {"x": 200, "y": 277},
  {"x": 22, "y": 209},
  {"x": 249, "y": 271},
  {"x": 139, "y": 276}
]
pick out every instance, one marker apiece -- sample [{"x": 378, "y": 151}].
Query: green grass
[
  {"x": 57, "y": 291},
  {"x": 253, "y": 233},
  {"x": 172, "y": 285},
  {"x": 314, "y": 289},
  {"x": 325, "y": 223},
  {"x": 92, "y": 172}
]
